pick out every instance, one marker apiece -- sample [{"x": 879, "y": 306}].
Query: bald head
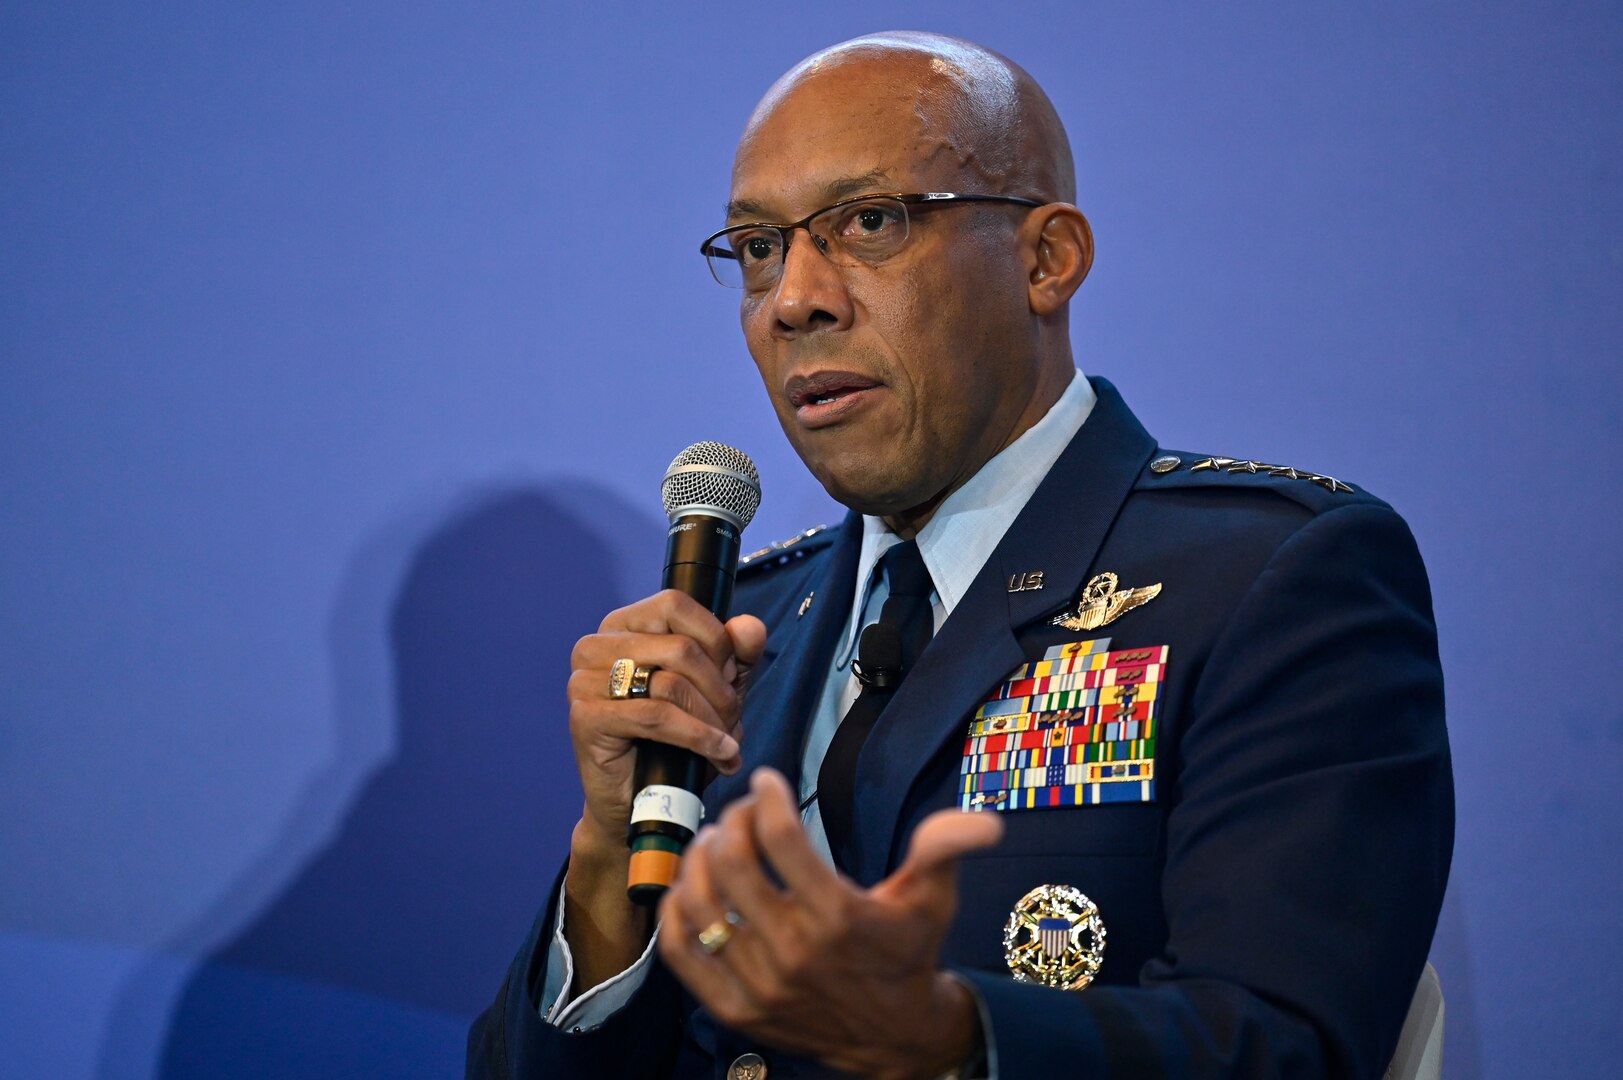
[
  {"x": 899, "y": 368},
  {"x": 977, "y": 109}
]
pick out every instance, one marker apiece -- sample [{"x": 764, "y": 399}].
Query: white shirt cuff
[{"x": 596, "y": 1005}]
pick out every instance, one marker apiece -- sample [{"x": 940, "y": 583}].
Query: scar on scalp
[{"x": 982, "y": 109}]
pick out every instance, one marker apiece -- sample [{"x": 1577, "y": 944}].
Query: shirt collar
[{"x": 965, "y": 529}]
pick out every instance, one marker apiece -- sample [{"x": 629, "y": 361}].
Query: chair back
[{"x": 1420, "y": 1047}]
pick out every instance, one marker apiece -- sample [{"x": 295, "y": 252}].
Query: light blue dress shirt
[{"x": 955, "y": 544}]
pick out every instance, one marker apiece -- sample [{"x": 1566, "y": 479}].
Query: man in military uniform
[{"x": 1192, "y": 703}]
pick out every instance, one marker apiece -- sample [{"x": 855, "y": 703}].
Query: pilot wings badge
[{"x": 1101, "y": 603}]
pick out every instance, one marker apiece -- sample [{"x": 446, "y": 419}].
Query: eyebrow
[{"x": 843, "y": 188}]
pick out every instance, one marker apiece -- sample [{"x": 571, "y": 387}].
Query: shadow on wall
[{"x": 380, "y": 949}]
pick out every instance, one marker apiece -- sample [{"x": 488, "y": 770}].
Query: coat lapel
[
  {"x": 1059, "y": 532},
  {"x": 779, "y": 704}
]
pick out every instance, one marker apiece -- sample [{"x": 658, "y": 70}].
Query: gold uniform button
[{"x": 747, "y": 1067}]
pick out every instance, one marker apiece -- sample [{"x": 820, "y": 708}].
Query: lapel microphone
[
  {"x": 879, "y": 657},
  {"x": 711, "y": 491}
]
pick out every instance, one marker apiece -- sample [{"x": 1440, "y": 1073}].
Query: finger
[
  {"x": 676, "y": 688},
  {"x": 948, "y": 835},
  {"x": 722, "y": 881},
  {"x": 700, "y": 900},
  {"x": 734, "y": 864},
  {"x": 705, "y": 977},
  {"x": 780, "y": 835},
  {"x": 930, "y": 871},
  {"x": 672, "y": 612},
  {"x": 678, "y": 936},
  {"x": 687, "y": 697},
  {"x": 663, "y": 685},
  {"x": 670, "y": 652},
  {"x": 609, "y": 725},
  {"x": 693, "y": 897},
  {"x": 748, "y": 635}
]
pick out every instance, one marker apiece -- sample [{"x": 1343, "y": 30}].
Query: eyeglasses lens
[{"x": 867, "y": 231}]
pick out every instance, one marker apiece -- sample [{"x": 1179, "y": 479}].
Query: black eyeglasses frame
[{"x": 710, "y": 250}]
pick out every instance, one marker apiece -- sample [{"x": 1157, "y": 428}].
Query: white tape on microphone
[{"x": 673, "y": 805}]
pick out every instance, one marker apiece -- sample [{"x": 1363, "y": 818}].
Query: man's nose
[{"x": 811, "y": 292}]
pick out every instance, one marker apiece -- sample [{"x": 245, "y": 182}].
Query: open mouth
[
  {"x": 826, "y": 387},
  {"x": 827, "y": 396}
]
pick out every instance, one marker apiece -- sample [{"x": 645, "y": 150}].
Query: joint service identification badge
[{"x": 1054, "y": 937}]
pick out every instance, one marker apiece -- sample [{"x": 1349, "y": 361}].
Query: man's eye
[
  {"x": 757, "y": 249},
  {"x": 871, "y": 223},
  {"x": 871, "y": 219}
]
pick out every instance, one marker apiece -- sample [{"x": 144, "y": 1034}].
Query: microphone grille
[{"x": 712, "y": 477}]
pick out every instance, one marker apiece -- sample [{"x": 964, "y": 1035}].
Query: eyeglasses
[{"x": 864, "y": 230}]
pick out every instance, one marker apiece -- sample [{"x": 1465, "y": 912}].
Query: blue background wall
[{"x": 322, "y": 333}]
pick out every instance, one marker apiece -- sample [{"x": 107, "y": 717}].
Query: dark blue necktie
[{"x": 908, "y": 620}]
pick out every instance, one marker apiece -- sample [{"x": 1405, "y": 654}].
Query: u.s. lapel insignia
[
  {"x": 1054, "y": 937},
  {"x": 1027, "y": 582},
  {"x": 1101, "y": 603}
]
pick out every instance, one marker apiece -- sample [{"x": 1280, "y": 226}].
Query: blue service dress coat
[{"x": 1268, "y": 900}]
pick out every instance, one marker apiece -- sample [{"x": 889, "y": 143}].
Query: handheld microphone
[{"x": 711, "y": 491}]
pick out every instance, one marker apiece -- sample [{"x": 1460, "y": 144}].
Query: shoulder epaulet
[
  {"x": 786, "y": 551},
  {"x": 1167, "y": 463},
  {"x": 1316, "y": 491}
]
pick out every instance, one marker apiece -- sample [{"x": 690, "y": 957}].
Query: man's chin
[{"x": 868, "y": 488}]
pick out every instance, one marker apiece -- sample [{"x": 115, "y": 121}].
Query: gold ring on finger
[
  {"x": 713, "y": 938},
  {"x": 620, "y": 676}
]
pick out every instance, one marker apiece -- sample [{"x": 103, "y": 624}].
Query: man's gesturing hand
[
  {"x": 820, "y": 966},
  {"x": 693, "y": 702}
]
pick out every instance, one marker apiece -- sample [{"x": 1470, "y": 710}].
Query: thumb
[
  {"x": 748, "y": 636},
  {"x": 931, "y": 866}
]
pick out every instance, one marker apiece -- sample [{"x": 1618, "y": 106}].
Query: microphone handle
[
  {"x": 709, "y": 585},
  {"x": 701, "y": 555}
]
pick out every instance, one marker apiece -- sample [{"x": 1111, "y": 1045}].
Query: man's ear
[{"x": 1060, "y": 255}]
